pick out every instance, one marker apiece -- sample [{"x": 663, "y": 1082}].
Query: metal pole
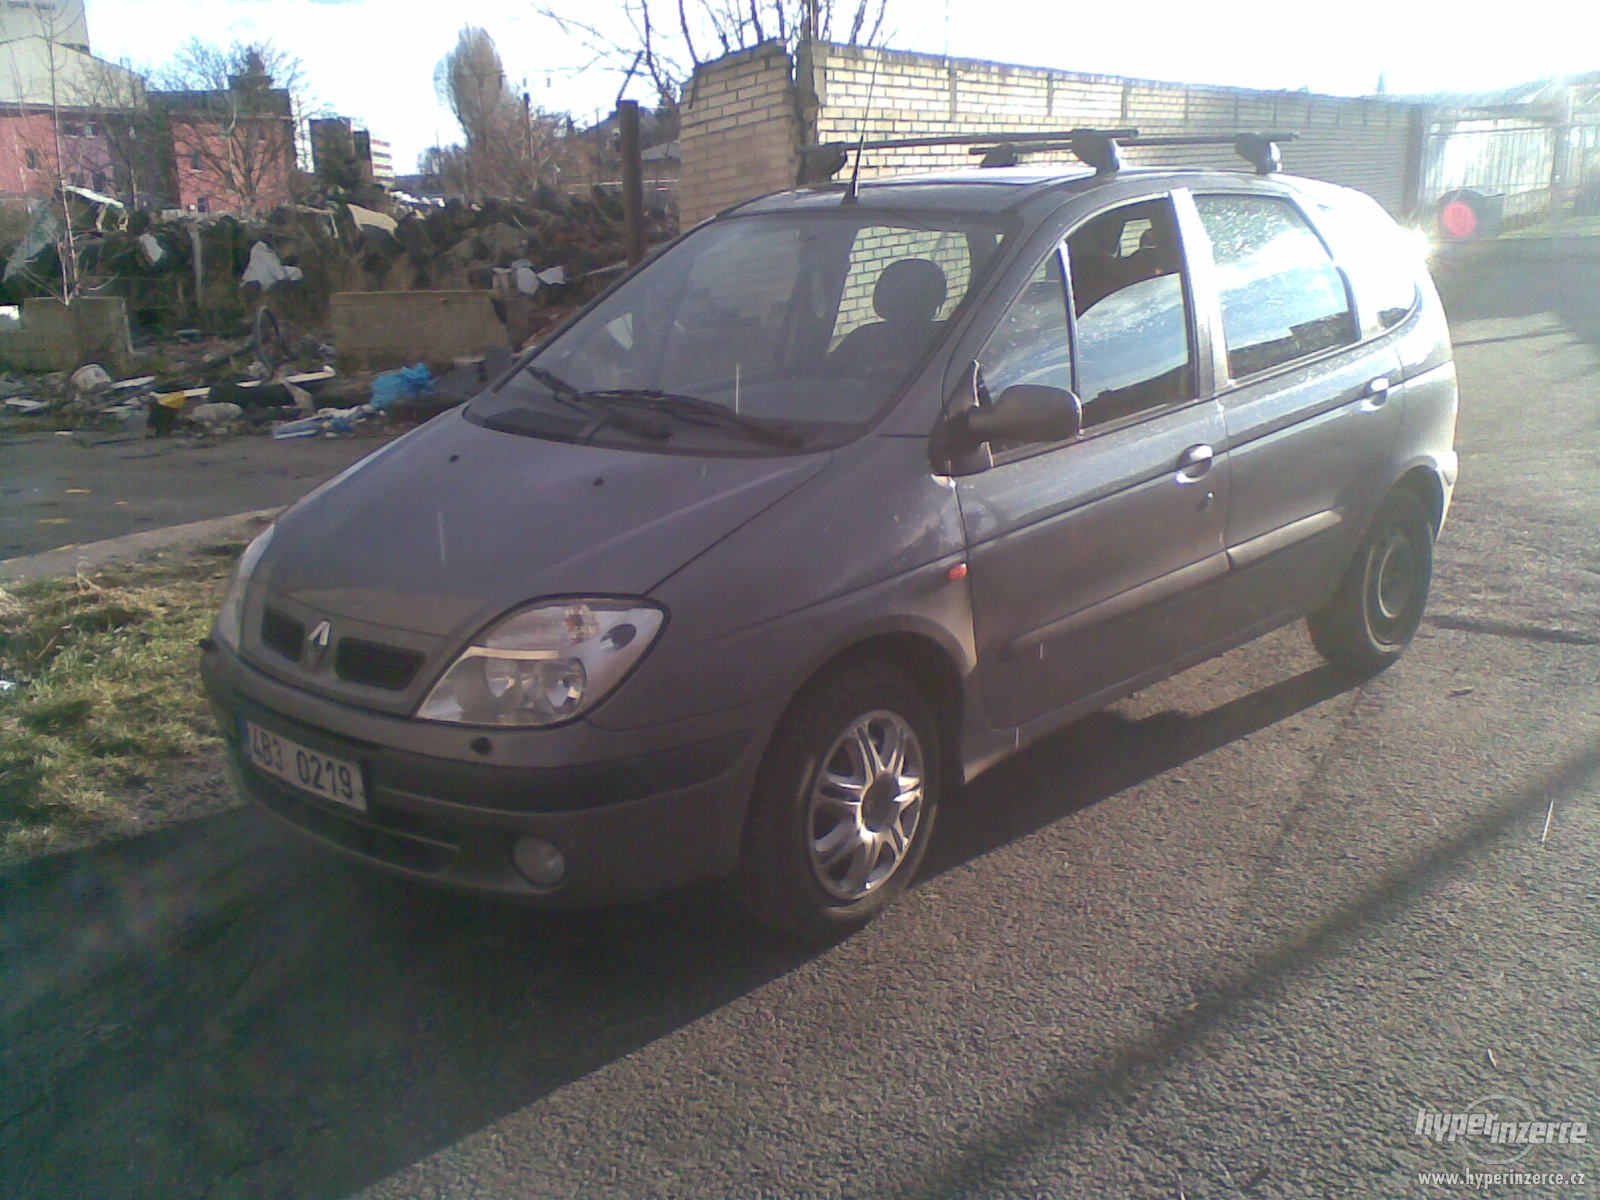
[
  {"x": 632, "y": 179},
  {"x": 527, "y": 129}
]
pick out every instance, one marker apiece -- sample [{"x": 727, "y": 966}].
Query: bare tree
[
  {"x": 132, "y": 131},
  {"x": 233, "y": 115},
  {"x": 510, "y": 146},
  {"x": 57, "y": 149},
  {"x": 667, "y": 48}
]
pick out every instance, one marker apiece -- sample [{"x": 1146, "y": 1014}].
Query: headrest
[{"x": 910, "y": 290}]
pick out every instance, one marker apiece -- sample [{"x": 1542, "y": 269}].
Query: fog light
[{"x": 541, "y": 863}]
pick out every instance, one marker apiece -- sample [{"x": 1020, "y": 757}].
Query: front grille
[
  {"x": 376, "y": 665},
  {"x": 282, "y": 634}
]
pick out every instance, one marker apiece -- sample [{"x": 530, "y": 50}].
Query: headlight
[
  {"x": 545, "y": 663},
  {"x": 230, "y": 621}
]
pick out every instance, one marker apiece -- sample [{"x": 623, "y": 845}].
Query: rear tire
[
  {"x": 843, "y": 805},
  {"x": 1378, "y": 607}
]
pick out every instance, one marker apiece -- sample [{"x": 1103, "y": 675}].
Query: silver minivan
[{"x": 838, "y": 500}]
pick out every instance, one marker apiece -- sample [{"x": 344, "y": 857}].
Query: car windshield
[{"x": 766, "y": 331}]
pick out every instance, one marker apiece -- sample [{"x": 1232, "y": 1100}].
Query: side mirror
[{"x": 1026, "y": 412}]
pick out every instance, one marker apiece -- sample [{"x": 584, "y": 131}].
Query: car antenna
[{"x": 852, "y": 193}]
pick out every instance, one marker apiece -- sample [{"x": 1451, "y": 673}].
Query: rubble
[
  {"x": 90, "y": 380},
  {"x": 184, "y": 276}
]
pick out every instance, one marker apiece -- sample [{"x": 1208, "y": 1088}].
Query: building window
[
  {"x": 31, "y": 157},
  {"x": 194, "y": 160}
]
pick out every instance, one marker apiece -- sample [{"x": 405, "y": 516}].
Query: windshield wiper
[
  {"x": 695, "y": 411},
  {"x": 592, "y": 404}
]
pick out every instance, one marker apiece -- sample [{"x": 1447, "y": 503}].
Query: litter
[
  {"x": 214, "y": 414},
  {"x": 304, "y": 427},
  {"x": 393, "y": 386},
  {"x": 24, "y": 405},
  {"x": 91, "y": 379},
  {"x": 527, "y": 280},
  {"x": 331, "y": 422},
  {"x": 267, "y": 269}
]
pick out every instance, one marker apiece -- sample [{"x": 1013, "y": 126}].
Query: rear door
[
  {"x": 1096, "y": 560},
  {"x": 1305, "y": 399}
]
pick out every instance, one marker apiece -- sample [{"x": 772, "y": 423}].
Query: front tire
[
  {"x": 1378, "y": 607},
  {"x": 844, "y": 803}
]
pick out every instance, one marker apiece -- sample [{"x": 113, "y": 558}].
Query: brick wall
[
  {"x": 246, "y": 171},
  {"x": 28, "y": 152},
  {"x": 745, "y": 117},
  {"x": 739, "y": 133}
]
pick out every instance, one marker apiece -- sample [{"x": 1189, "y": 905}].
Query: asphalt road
[
  {"x": 70, "y": 489},
  {"x": 1224, "y": 940}
]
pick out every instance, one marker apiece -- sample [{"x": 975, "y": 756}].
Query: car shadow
[
  {"x": 1103, "y": 755},
  {"x": 247, "y": 1015}
]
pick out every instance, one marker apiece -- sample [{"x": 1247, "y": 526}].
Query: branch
[{"x": 683, "y": 23}]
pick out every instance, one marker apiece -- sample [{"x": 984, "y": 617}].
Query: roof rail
[{"x": 1097, "y": 148}]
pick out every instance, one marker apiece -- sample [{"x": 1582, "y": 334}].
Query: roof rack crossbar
[
  {"x": 1259, "y": 149},
  {"x": 971, "y": 139},
  {"x": 1097, "y": 148}
]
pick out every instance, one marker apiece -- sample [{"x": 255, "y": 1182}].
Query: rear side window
[{"x": 1282, "y": 296}]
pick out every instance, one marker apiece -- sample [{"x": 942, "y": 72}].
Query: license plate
[{"x": 335, "y": 779}]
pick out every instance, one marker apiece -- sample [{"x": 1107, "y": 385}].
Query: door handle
[
  {"x": 1193, "y": 463},
  {"x": 1375, "y": 393}
]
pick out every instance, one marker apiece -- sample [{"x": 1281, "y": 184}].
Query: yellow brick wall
[
  {"x": 745, "y": 117},
  {"x": 739, "y": 133}
]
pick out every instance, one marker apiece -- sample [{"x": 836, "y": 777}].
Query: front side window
[
  {"x": 1282, "y": 296},
  {"x": 1123, "y": 345},
  {"x": 802, "y": 319},
  {"x": 1130, "y": 313},
  {"x": 1031, "y": 343}
]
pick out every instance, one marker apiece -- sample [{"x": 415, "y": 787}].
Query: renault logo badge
[{"x": 317, "y": 642}]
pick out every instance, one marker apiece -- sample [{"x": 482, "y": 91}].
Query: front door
[{"x": 1098, "y": 560}]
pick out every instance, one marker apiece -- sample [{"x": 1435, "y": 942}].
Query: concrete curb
[{"x": 69, "y": 560}]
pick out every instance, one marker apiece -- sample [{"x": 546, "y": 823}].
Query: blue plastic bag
[{"x": 392, "y": 387}]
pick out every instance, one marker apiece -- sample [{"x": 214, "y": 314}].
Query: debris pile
[
  {"x": 201, "y": 270},
  {"x": 183, "y": 277}
]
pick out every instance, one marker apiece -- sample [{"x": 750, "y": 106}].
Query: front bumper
[{"x": 633, "y": 814}]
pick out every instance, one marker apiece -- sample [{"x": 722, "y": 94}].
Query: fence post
[{"x": 632, "y": 179}]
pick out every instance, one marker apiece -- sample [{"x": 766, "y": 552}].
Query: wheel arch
[
  {"x": 930, "y": 666},
  {"x": 1424, "y": 483}
]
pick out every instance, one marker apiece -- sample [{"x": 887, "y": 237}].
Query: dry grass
[{"x": 100, "y": 695}]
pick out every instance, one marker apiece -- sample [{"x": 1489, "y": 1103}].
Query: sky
[{"x": 374, "y": 60}]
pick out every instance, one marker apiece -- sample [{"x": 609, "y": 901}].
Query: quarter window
[
  {"x": 1282, "y": 296},
  {"x": 1383, "y": 264}
]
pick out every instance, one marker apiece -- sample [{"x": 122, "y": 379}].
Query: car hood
[{"x": 454, "y": 524}]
